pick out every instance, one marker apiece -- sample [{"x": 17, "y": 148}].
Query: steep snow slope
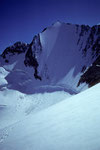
[
  {"x": 71, "y": 124},
  {"x": 57, "y": 57},
  {"x": 66, "y": 52}
]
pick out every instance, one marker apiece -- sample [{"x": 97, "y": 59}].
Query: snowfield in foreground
[
  {"x": 73, "y": 124},
  {"x": 14, "y": 105}
]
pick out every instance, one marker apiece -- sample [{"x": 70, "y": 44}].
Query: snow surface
[
  {"x": 15, "y": 105},
  {"x": 71, "y": 124}
]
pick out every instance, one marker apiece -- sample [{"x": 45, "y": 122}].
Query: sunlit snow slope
[{"x": 71, "y": 124}]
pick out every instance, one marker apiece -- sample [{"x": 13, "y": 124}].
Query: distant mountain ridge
[{"x": 63, "y": 55}]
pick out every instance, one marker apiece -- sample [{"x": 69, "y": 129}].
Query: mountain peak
[
  {"x": 57, "y": 56},
  {"x": 57, "y": 23}
]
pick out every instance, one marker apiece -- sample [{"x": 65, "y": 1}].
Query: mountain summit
[{"x": 63, "y": 56}]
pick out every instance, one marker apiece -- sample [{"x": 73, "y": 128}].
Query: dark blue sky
[{"x": 20, "y": 20}]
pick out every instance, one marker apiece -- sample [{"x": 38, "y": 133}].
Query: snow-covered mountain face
[{"x": 59, "y": 58}]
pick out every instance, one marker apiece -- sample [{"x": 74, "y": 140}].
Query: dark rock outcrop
[
  {"x": 92, "y": 75},
  {"x": 17, "y": 48},
  {"x": 35, "y": 48}
]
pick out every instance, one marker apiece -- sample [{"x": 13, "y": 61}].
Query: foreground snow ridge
[{"x": 73, "y": 124}]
